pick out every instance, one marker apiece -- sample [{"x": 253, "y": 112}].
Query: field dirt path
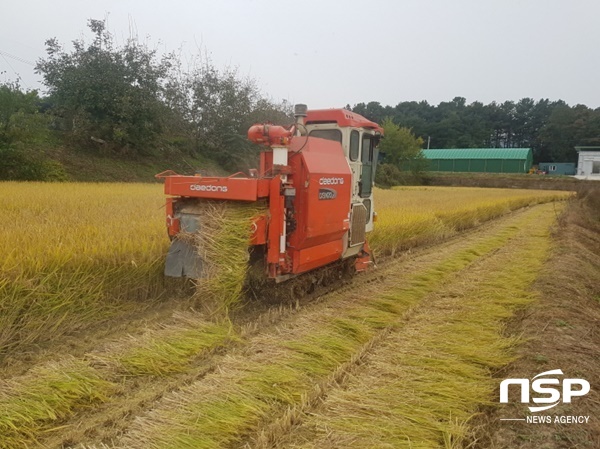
[
  {"x": 296, "y": 375},
  {"x": 561, "y": 331}
]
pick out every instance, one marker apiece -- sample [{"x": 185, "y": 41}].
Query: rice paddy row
[
  {"x": 412, "y": 216},
  {"x": 32, "y": 404},
  {"x": 421, "y": 387},
  {"x": 278, "y": 373},
  {"x": 166, "y": 351}
]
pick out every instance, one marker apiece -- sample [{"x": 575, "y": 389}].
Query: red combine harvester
[{"x": 316, "y": 178}]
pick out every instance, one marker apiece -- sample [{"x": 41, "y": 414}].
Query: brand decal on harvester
[
  {"x": 327, "y": 194},
  {"x": 330, "y": 181},
  {"x": 208, "y": 188},
  {"x": 547, "y": 396}
]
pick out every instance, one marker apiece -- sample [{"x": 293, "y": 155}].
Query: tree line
[
  {"x": 551, "y": 129},
  {"x": 125, "y": 100}
]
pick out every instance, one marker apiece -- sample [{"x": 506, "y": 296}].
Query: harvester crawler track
[{"x": 320, "y": 280}]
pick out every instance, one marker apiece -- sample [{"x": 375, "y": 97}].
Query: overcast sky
[{"x": 330, "y": 53}]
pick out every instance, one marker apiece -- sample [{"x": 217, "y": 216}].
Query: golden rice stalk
[
  {"x": 252, "y": 387},
  {"x": 169, "y": 349},
  {"x": 74, "y": 255},
  {"x": 413, "y": 216},
  {"x": 223, "y": 242},
  {"x": 421, "y": 387},
  {"x": 46, "y": 396}
]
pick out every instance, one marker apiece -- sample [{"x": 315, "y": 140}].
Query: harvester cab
[{"x": 316, "y": 182}]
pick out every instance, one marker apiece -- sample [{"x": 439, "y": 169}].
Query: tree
[
  {"x": 414, "y": 115},
  {"x": 22, "y": 129},
  {"x": 550, "y": 128},
  {"x": 567, "y": 127},
  {"x": 401, "y": 146},
  {"x": 107, "y": 93},
  {"x": 216, "y": 108},
  {"x": 20, "y": 121},
  {"x": 372, "y": 111}
]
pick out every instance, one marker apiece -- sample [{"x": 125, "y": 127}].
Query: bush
[
  {"x": 388, "y": 175},
  {"x": 18, "y": 165}
]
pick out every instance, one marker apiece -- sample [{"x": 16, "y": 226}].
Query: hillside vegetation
[{"x": 123, "y": 105}]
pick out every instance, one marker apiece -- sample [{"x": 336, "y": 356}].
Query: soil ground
[{"x": 562, "y": 332}]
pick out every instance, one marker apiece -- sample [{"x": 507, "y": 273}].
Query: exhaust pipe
[{"x": 299, "y": 115}]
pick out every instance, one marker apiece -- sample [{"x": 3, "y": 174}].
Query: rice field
[
  {"x": 411, "y": 216},
  {"x": 81, "y": 255},
  {"x": 78, "y": 253},
  {"x": 75, "y": 254}
]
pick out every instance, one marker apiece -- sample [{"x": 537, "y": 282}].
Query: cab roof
[{"x": 342, "y": 117}]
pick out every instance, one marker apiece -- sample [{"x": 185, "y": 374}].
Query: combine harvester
[{"x": 316, "y": 184}]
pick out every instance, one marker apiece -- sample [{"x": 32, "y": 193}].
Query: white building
[{"x": 588, "y": 166}]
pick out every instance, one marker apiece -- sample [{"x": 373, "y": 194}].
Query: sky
[{"x": 332, "y": 53}]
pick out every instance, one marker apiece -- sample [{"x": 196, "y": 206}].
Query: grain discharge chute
[{"x": 315, "y": 182}]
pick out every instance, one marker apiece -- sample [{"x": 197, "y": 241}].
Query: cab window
[
  {"x": 329, "y": 134},
  {"x": 354, "y": 147},
  {"x": 366, "y": 177},
  {"x": 367, "y": 149}
]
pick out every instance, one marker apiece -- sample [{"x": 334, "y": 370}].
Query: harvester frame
[{"x": 316, "y": 178}]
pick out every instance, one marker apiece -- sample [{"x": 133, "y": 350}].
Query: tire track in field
[
  {"x": 423, "y": 383},
  {"x": 248, "y": 363}
]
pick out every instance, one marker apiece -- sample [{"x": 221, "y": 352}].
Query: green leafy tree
[
  {"x": 127, "y": 98},
  {"x": 570, "y": 126},
  {"x": 400, "y": 145},
  {"x": 20, "y": 120},
  {"x": 373, "y": 111},
  {"x": 550, "y": 128},
  {"x": 23, "y": 130},
  {"x": 106, "y": 93},
  {"x": 403, "y": 159},
  {"x": 216, "y": 108}
]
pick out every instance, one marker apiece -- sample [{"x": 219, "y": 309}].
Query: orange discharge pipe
[{"x": 270, "y": 135}]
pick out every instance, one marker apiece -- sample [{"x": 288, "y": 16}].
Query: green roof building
[{"x": 480, "y": 160}]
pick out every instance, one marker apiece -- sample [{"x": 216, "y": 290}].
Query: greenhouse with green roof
[{"x": 480, "y": 160}]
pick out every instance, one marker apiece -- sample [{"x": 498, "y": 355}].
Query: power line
[
  {"x": 14, "y": 71},
  {"x": 17, "y": 58},
  {"x": 10, "y": 65}
]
